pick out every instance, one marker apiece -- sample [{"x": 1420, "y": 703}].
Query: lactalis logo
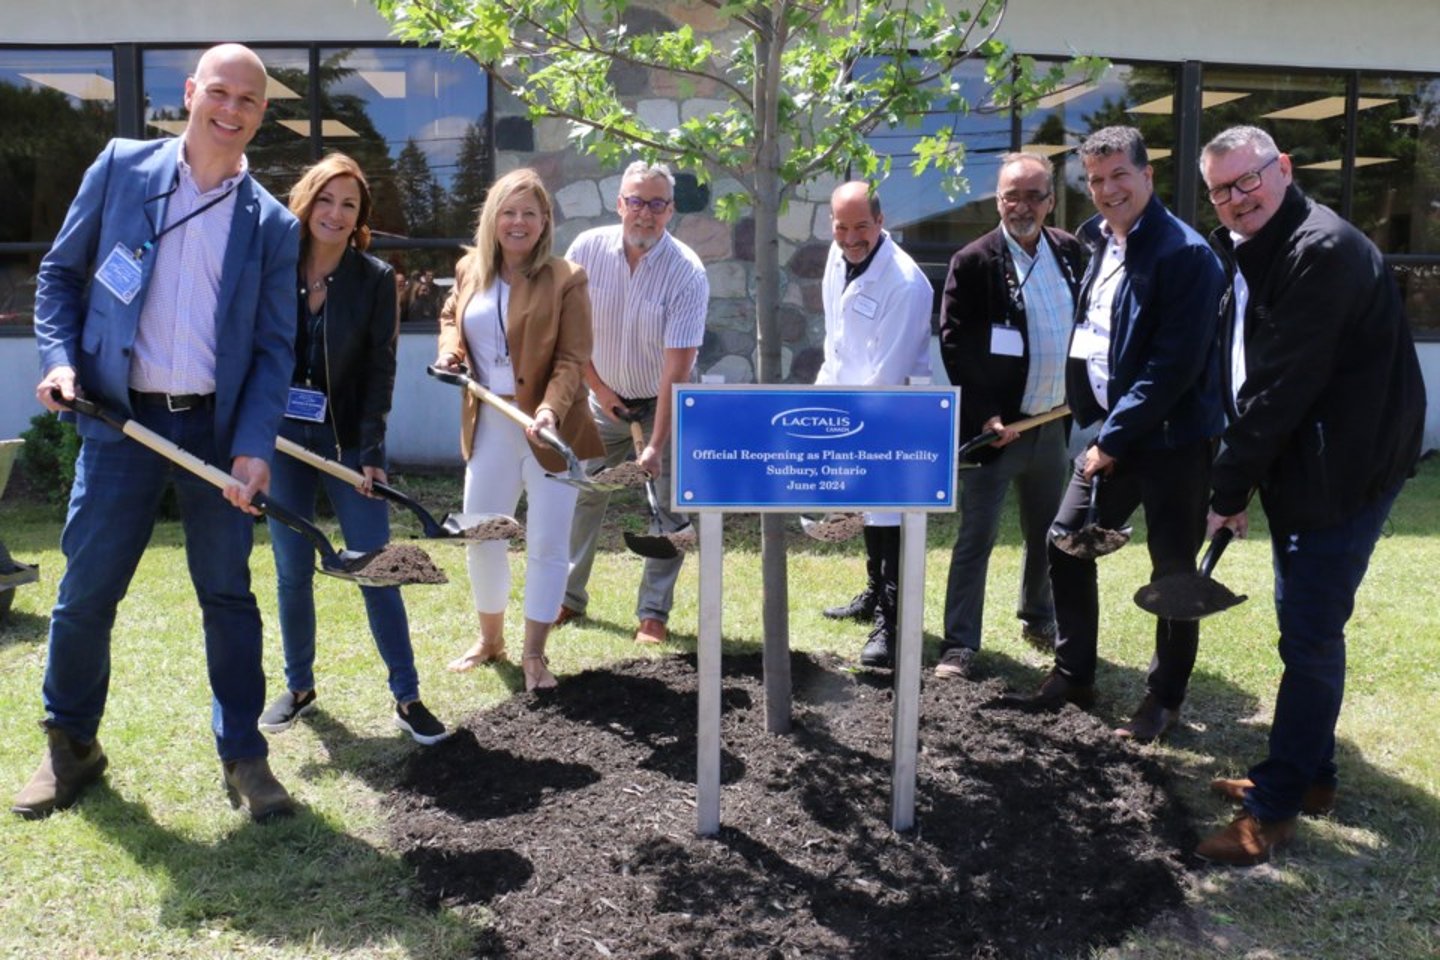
[{"x": 817, "y": 423}]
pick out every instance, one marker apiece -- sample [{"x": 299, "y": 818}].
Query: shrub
[{"x": 48, "y": 457}]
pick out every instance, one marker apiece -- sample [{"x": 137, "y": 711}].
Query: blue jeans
[
  {"x": 1038, "y": 467},
  {"x": 113, "y": 504},
  {"x": 365, "y": 522},
  {"x": 1316, "y": 575}
]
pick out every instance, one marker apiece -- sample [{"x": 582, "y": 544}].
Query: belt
[{"x": 174, "y": 402}]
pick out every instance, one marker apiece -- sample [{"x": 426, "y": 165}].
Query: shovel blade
[
  {"x": 833, "y": 527},
  {"x": 1090, "y": 541},
  {"x": 390, "y": 566},
  {"x": 653, "y": 547},
  {"x": 1186, "y": 596},
  {"x": 479, "y": 527}
]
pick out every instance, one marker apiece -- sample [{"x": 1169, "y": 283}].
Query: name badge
[
  {"x": 305, "y": 403},
  {"x": 865, "y": 306},
  {"x": 1005, "y": 341},
  {"x": 120, "y": 274}
]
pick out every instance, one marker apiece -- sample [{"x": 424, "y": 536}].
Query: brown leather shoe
[
  {"x": 1247, "y": 841},
  {"x": 249, "y": 783},
  {"x": 566, "y": 615},
  {"x": 1317, "y": 801},
  {"x": 67, "y": 768},
  {"x": 1056, "y": 691},
  {"x": 1150, "y": 722},
  {"x": 651, "y": 631}
]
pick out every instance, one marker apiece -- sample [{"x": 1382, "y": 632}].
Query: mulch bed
[{"x": 570, "y": 818}]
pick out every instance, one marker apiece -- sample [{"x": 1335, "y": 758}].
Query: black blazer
[
  {"x": 360, "y": 334},
  {"x": 981, "y": 289}
]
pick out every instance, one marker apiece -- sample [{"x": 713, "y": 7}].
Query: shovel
[
  {"x": 657, "y": 545},
  {"x": 1191, "y": 596},
  {"x": 1091, "y": 540},
  {"x": 575, "y": 474},
  {"x": 386, "y": 567},
  {"x": 1019, "y": 426},
  {"x": 469, "y": 527}
]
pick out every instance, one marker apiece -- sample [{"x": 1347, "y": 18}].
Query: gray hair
[
  {"x": 1020, "y": 156},
  {"x": 1237, "y": 137},
  {"x": 640, "y": 170},
  {"x": 1112, "y": 140}
]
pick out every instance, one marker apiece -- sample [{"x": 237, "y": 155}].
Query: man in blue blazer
[{"x": 168, "y": 296}]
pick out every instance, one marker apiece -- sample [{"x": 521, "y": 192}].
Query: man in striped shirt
[{"x": 648, "y": 295}]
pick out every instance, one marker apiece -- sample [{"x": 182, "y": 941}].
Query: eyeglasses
[
  {"x": 1013, "y": 198},
  {"x": 636, "y": 204},
  {"x": 1248, "y": 183}
]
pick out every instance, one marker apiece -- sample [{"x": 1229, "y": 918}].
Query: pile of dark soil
[
  {"x": 400, "y": 563},
  {"x": 571, "y": 818}
]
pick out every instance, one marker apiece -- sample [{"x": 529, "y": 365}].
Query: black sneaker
[
  {"x": 420, "y": 723},
  {"x": 285, "y": 710}
]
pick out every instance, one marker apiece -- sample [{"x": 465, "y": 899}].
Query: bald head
[
  {"x": 226, "y": 100},
  {"x": 855, "y": 220}
]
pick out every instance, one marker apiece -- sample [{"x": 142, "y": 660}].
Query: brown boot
[
  {"x": 249, "y": 783},
  {"x": 1247, "y": 841},
  {"x": 1150, "y": 722},
  {"x": 1317, "y": 801},
  {"x": 68, "y": 767}
]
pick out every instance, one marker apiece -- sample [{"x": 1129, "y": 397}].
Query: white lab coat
[{"x": 877, "y": 330}]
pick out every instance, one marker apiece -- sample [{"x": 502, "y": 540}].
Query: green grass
[{"x": 154, "y": 863}]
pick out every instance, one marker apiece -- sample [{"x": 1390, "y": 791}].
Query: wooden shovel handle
[{"x": 310, "y": 458}]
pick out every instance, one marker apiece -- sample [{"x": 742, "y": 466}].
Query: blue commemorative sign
[{"x": 791, "y": 449}]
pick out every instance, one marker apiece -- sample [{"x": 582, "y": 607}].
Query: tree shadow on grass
[{"x": 296, "y": 881}]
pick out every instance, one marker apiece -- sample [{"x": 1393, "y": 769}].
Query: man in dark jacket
[
  {"x": 1005, "y": 322},
  {"x": 1144, "y": 363},
  {"x": 1327, "y": 408}
]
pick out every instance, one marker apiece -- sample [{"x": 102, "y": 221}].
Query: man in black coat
[
  {"x": 1327, "y": 409},
  {"x": 1005, "y": 322}
]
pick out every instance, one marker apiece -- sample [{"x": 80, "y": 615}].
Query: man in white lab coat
[{"x": 877, "y": 333}]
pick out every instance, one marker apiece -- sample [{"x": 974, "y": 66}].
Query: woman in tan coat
[{"x": 519, "y": 319}]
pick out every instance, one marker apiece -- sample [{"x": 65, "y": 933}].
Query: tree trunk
[{"x": 776, "y": 606}]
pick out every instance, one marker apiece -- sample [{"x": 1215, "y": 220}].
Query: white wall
[{"x": 1376, "y": 34}]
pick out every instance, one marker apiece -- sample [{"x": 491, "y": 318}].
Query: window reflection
[
  {"x": 1396, "y": 199},
  {"x": 281, "y": 149},
  {"x": 415, "y": 120},
  {"x": 1305, "y": 113},
  {"x": 1126, "y": 95},
  {"x": 57, "y": 111}
]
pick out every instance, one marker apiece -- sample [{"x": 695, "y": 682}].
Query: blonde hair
[
  {"x": 307, "y": 190},
  {"x": 486, "y": 251}
]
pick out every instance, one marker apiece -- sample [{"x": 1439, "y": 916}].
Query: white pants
[{"x": 500, "y": 466}]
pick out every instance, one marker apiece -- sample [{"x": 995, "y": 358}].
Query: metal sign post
[{"x": 760, "y": 449}]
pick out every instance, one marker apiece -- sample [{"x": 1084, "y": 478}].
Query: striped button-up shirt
[
  {"x": 175, "y": 342},
  {"x": 1049, "y": 309},
  {"x": 638, "y": 315}
]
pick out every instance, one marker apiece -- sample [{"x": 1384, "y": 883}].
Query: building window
[{"x": 57, "y": 110}]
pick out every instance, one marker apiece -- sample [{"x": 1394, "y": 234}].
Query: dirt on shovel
[{"x": 401, "y": 563}]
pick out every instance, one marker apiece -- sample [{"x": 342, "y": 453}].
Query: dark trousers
[
  {"x": 1316, "y": 575},
  {"x": 882, "y": 567},
  {"x": 1172, "y": 486}
]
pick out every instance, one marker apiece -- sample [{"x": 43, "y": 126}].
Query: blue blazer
[
  {"x": 81, "y": 324},
  {"x": 1164, "y": 386}
]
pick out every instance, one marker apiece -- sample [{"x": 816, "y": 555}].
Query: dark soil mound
[{"x": 571, "y": 817}]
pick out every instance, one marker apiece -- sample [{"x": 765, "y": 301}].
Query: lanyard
[
  {"x": 155, "y": 235},
  {"x": 500, "y": 288}
]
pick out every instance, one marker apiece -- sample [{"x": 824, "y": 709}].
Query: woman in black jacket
[{"x": 339, "y": 399}]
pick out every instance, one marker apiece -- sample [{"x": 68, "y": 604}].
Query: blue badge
[
  {"x": 120, "y": 274},
  {"x": 305, "y": 404}
]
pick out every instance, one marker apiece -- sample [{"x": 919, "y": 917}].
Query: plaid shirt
[{"x": 1049, "y": 312}]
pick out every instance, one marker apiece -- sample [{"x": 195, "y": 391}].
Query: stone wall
[{"x": 585, "y": 195}]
